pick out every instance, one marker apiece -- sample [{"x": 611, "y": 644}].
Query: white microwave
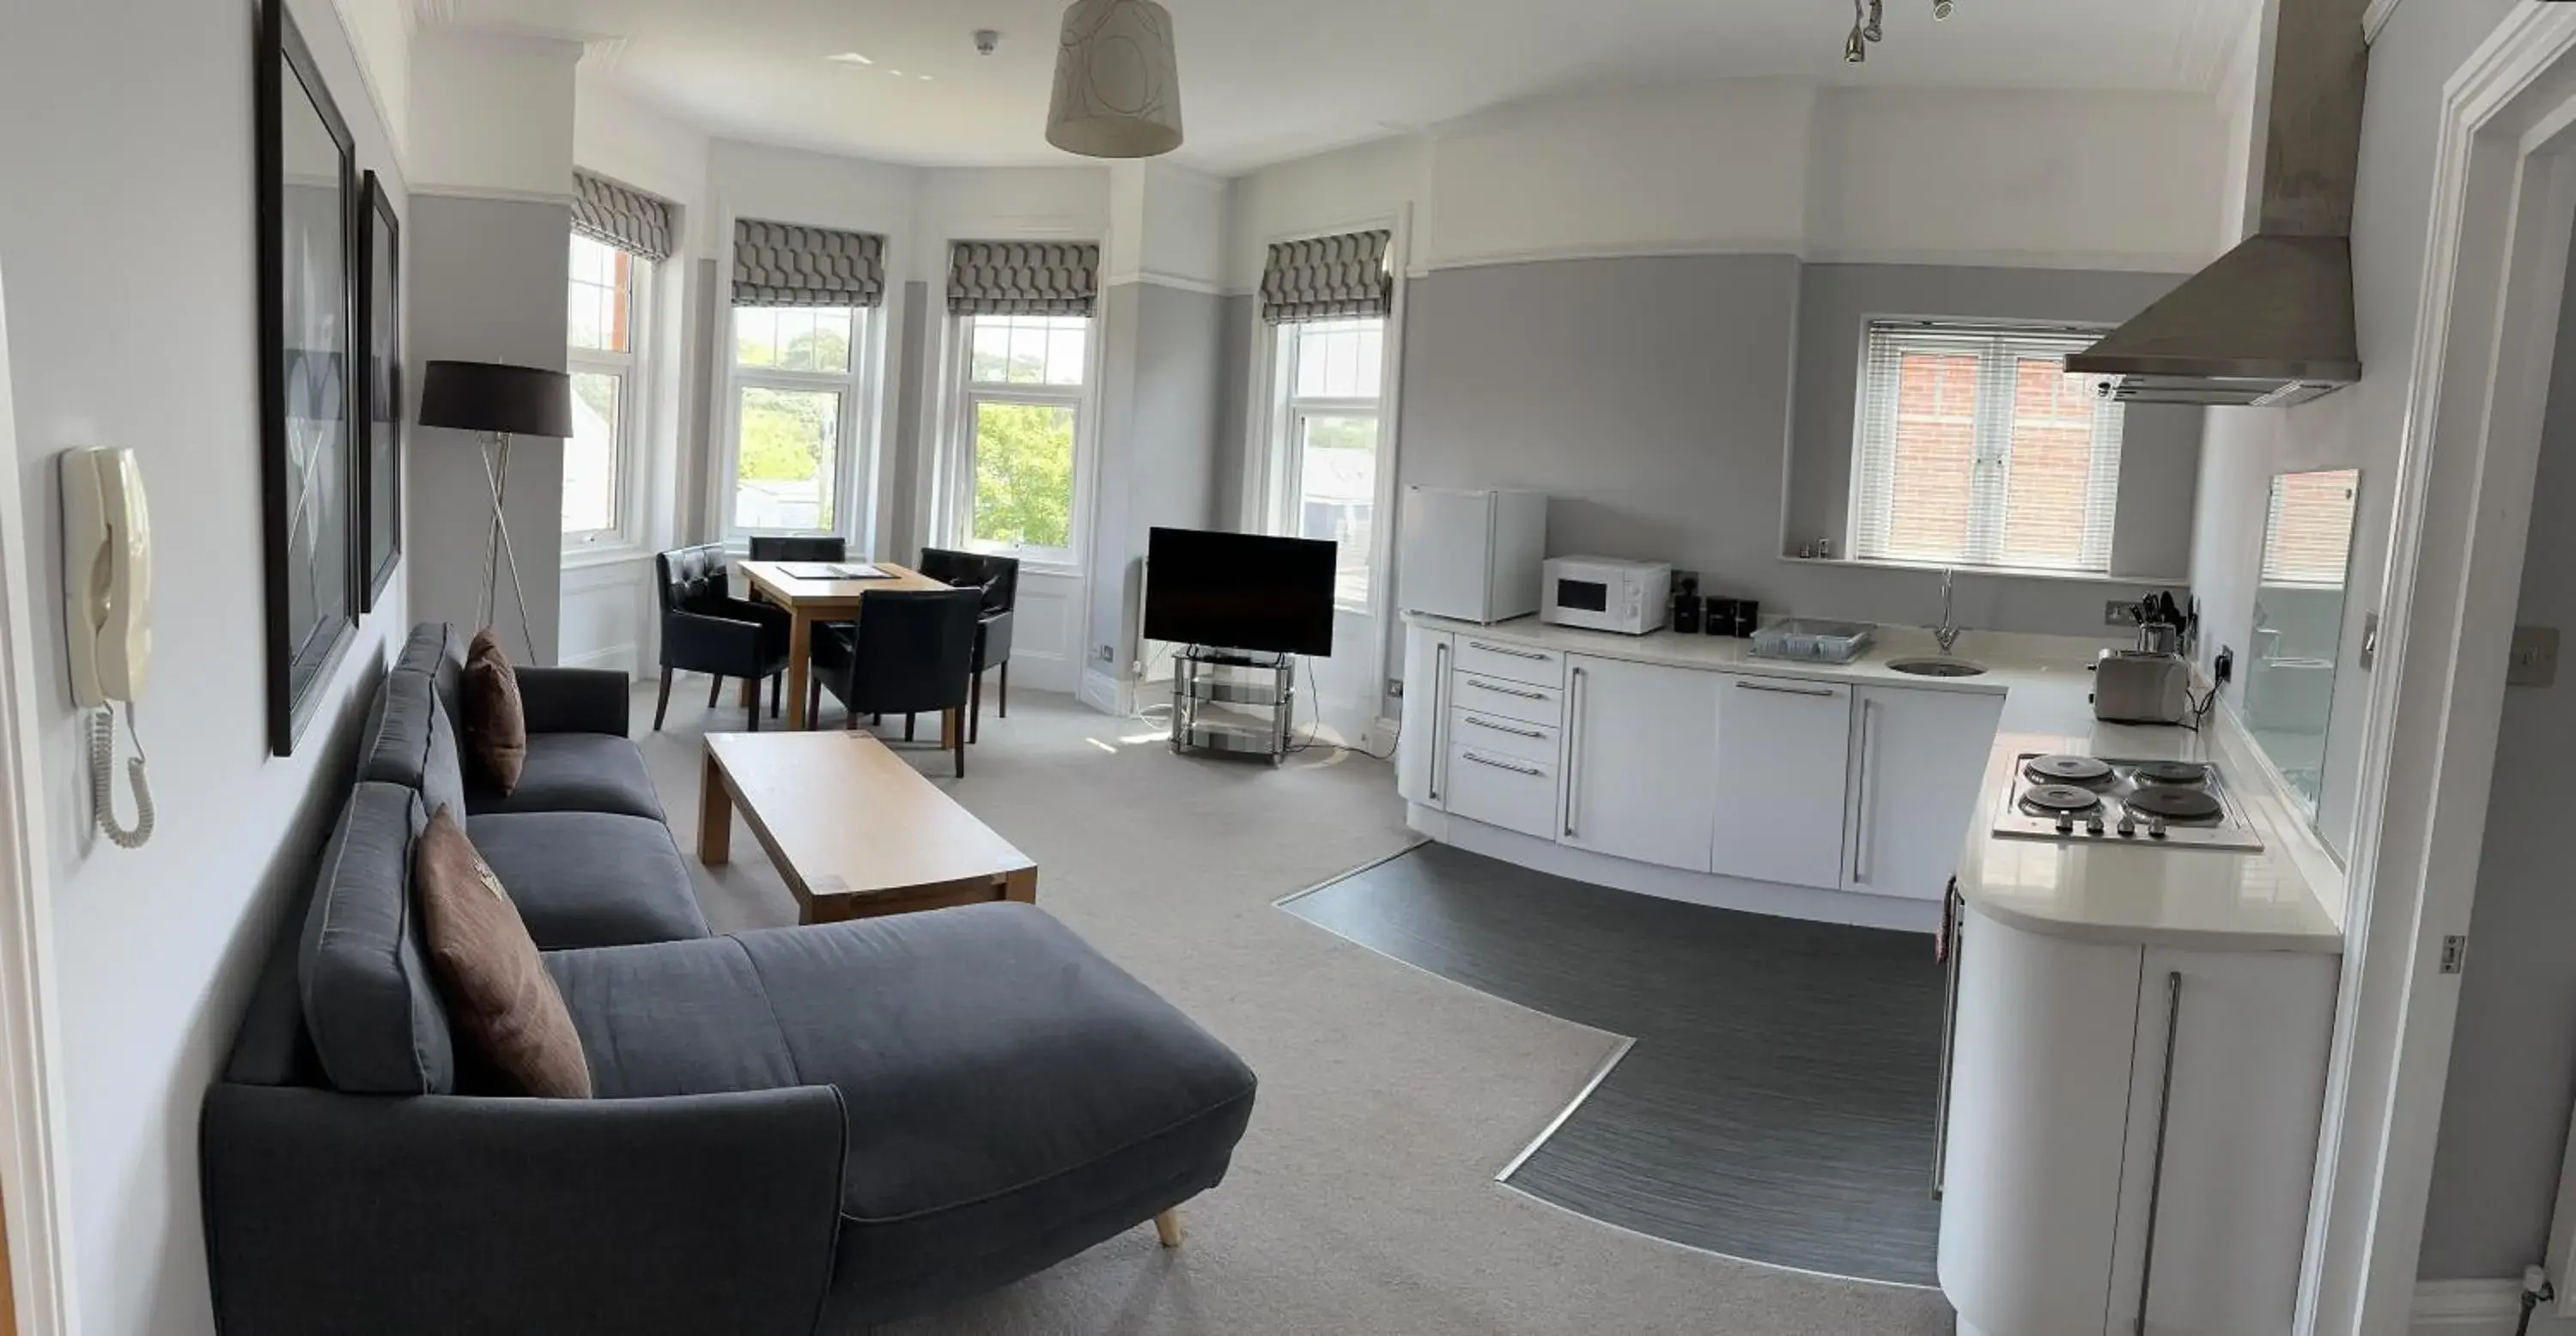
[{"x": 1602, "y": 594}]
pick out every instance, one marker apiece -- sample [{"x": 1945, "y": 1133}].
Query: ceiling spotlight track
[{"x": 1868, "y": 25}]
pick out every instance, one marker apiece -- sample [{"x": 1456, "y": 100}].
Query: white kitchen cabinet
[
  {"x": 2059, "y": 1097},
  {"x": 1491, "y": 785},
  {"x": 1918, "y": 761},
  {"x": 1784, "y": 767},
  {"x": 1640, "y": 761},
  {"x": 1422, "y": 748}
]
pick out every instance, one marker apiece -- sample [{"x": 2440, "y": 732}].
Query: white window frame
[
  {"x": 956, "y": 488},
  {"x": 1283, "y": 472},
  {"x": 853, "y": 451},
  {"x": 631, "y": 368},
  {"x": 1875, "y": 404}
]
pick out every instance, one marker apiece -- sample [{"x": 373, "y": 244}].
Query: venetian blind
[
  {"x": 1973, "y": 447},
  {"x": 2307, "y": 528},
  {"x": 614, "y": 215},
  {"x": 783, "y": 264}
]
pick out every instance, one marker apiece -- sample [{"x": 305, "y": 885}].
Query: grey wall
[
  {"x": 1156, "y": 458},
  {"x": 127, "y": 245},
  {"x": 708, "y": 315},
  {"x": 2160, "y": 451},
  {"x": 1236, "y": 349},
  {"x": 909, "y": 475},
  {"x": 488, "y": 279},
  {"x": 2513, "y": 1059},
  {"x": 1653, "y": 402}
]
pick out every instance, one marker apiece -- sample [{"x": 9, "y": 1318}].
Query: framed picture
[
  {"x": 308, "y": 411},
  {"x": 380, "y": 459}
]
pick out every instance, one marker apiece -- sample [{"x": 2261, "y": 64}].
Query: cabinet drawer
[
  {"x": 1499, "y": 790},
  {"x": 1479, "y": 694},
  {"x": 1518, "y": 663},
  {"x": 1518, "y": 739}
]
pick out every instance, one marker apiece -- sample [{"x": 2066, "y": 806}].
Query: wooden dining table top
[{"x": 771, "y": 578}]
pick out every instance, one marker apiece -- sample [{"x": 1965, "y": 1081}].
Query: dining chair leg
[
  {"x": 662, "y": 703},
  {"x": 777, "y": 690},
  {"x": 814, "y": 701},
  {"x": 875, "y": 719},
  {"x": 751, "y": 703},
  {"x": 954, "y": 728},
  {"x": 975, "y": 710},
  {"x": 907, "y": 728},
  {"x": 715, "y": 689},
  {"x": 1006, "y": 689}
]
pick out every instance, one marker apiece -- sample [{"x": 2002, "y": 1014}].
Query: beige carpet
[{"x": 1362, "y": 1199}]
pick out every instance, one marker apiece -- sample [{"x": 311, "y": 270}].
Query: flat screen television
[{"x": 1240, "y": 591}]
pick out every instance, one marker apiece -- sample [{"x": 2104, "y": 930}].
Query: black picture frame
[
  {"x": 307, "y": 166},
  {"x": 380, "y": 455}
]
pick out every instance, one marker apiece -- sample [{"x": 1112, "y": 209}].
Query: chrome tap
[{"x": 1948, "y": 632}]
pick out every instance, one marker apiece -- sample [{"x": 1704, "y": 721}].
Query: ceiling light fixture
[
  {"x": 850, "y": 58},
  {"x": 1868, "y": 25},
  {"x": 1940, "y": 10},
  {"x": 1877, "y": 11},
  {"x": 1856, "y": 46},
  {"x": 1117, "y": 81}
]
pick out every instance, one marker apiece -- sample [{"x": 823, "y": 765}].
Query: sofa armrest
[
  {"x": 574, "y": 700},
  {"x": 435, "y": 1214}
]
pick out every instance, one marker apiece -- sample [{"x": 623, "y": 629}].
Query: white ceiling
[{"x": 1266, "y": 80}]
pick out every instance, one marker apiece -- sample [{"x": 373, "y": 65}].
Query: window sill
[
  {"x": 587, "y": 556},
  {"x": 1992, "y": 572}
]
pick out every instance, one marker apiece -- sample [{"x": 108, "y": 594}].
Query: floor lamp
[{"x": 497, "y": 402}]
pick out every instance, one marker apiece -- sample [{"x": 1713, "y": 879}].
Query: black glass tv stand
[{"x": 1233, "y": 701}]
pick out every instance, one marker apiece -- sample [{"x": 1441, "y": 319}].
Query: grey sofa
[{"x": 797, "y": 1130}]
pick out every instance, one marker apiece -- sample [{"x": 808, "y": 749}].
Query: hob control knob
[
  {"x": 2093, "y": 824},
  {"x": 2128, "y": 826},
  {"x": 2155, "y": 827},
  {"x": 2065, "y": 825}
]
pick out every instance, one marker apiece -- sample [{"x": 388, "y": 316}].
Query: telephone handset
[{"x": 107, "y": 594}]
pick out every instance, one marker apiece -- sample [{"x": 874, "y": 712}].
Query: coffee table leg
[
  {"x": 1021, "y": 886},
  {"x": 715, "y": 814}
]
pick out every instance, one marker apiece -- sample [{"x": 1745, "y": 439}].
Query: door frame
[
  {"x": 2503, "y": 213},
  {"x": 34, "y": 1152}
]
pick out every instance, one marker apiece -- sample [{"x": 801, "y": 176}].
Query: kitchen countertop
[{"x": 2195, "y": 898}]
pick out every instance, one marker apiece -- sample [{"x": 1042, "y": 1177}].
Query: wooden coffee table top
[{"x": 842, "y": 815}]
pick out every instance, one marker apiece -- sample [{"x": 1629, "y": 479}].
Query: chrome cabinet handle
[
  {"x": 1506, "y": 649},
  {"x": 1504, "y": 765},
  {"x": 1482, "y": 684},
  {"x": 1481, "y": 722},
  {"x": 2164, "y": 1119},
  {"x": 1747, "y": 684},
  {"x": 1861, "y": 808},
  {"x": 1573, "y": 752},
  {"x": 1439, "y": 685}
]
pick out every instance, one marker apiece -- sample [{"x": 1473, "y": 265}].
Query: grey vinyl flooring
[{"x": 1777, "y": 1104}]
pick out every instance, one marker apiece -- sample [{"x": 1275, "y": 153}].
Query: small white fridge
[{"x": 1472, "y": 554}]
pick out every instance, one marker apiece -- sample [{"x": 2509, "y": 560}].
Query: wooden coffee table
[{"x": 855, "y": 831}]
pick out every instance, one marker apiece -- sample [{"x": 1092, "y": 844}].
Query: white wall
[
  {"x": 492, "y": 114},
  {"x": 381, "y": 32},
  {"x": 155, "y": 948}
]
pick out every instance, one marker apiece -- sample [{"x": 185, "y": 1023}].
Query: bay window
[
  {"x": 1327, "y": 463},
  {"x": 603, "y": 304},
  {"x": 797, "y": 361},
  {"x": 1026, "y": 383}
]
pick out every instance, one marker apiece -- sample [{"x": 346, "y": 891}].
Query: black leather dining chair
[
  {"x": 999, "y": 578},
  {"x": 705, "y": 629},
  {"x": 800, "y": 549},
  {"x": 908, "y": 655}
]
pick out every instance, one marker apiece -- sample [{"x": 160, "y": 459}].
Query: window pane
[
  {"x": 1311, "y": 353},
  {"x": 2052, "y": 467},
  {"x": 787, "y": 453},
  {"x": 1064, "y": 354},
  {"x": 1028, "y": 353},
  {"x": 1931, "y": 489},
  {"x": 1372, "y": 343},
  {"x": 581, "y": 316},
  {"x": 590, "y": 456},
  {"x": 1024, "y": 474},
  {"x": 755, "y": 336},
  {"x": 599, "y": 304},
  {"x": 831, "y": 336},
  {"x": 1337, "y": 495}
]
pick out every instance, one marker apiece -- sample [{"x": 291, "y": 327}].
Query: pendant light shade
[{"x": 1117, "y": 81}]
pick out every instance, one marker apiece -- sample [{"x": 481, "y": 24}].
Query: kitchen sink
[{"x": 1937, "y": 667}]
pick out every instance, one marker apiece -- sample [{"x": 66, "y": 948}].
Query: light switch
[{"x": 2533, "y": 661}]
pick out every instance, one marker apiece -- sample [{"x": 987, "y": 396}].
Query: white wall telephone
[{"x": 107, "y": 594}]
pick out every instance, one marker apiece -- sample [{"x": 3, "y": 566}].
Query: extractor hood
[{"x": 2270, "y": 322}]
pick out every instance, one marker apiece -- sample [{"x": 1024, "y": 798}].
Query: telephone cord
[{"x": 102, "y": 770}]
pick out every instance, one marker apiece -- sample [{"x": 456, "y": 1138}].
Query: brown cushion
[
  {"x": 500, "y": 1001},
  {"x": 496, "y": 727}
]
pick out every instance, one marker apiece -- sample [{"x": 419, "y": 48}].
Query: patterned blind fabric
[
  {"x": 1022, "y": 278},
  {"x": 1325, "y": 278},
  {"x": 782, "y": 264},
  {"x": 630, "y": 220}
]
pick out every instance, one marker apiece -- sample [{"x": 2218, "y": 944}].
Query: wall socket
[
  {"x": 2533, "y": 659},
  {"x": 1106, "y": 654},
  {"x": 2117, "y": 613},
  {"x": 1395, "y": 688}
]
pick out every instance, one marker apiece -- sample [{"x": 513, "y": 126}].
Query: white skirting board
[{"x": 2478, "y": 1308}]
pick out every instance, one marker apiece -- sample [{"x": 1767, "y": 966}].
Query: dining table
[{"x": 810, "y": 598}]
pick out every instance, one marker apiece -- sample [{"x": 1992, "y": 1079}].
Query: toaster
[{"x": 2141, "y": 687}]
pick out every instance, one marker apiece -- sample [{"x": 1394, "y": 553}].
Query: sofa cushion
[
  {"x": 591, "y": 878},
  {"x": 370, "y": 1004},
  {"x": 1003, "y": 1080},
  {"x": 501, "y": 1002},
  {"x": 575, "y": 772},
  {"x": 496, "y": 725},
  {"x": 436, "y": 652},
  {"x": 412, "y": 742}
]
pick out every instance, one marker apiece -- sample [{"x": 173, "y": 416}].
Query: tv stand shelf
[{"x": 1233, "y": 702}]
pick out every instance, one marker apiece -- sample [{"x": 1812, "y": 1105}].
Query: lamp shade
[
  {"x": 1117, "y": 81},
  {"x": 494, "y": 396}
]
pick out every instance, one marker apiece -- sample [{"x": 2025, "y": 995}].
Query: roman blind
[
  {"x": 1973, "y": 447},
  {"x": 783, "y": 264},
  {"x": 1326, "y": 278},
  {"x": 614, "y": 215},
  {"x": 1022, "y": 277}
]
